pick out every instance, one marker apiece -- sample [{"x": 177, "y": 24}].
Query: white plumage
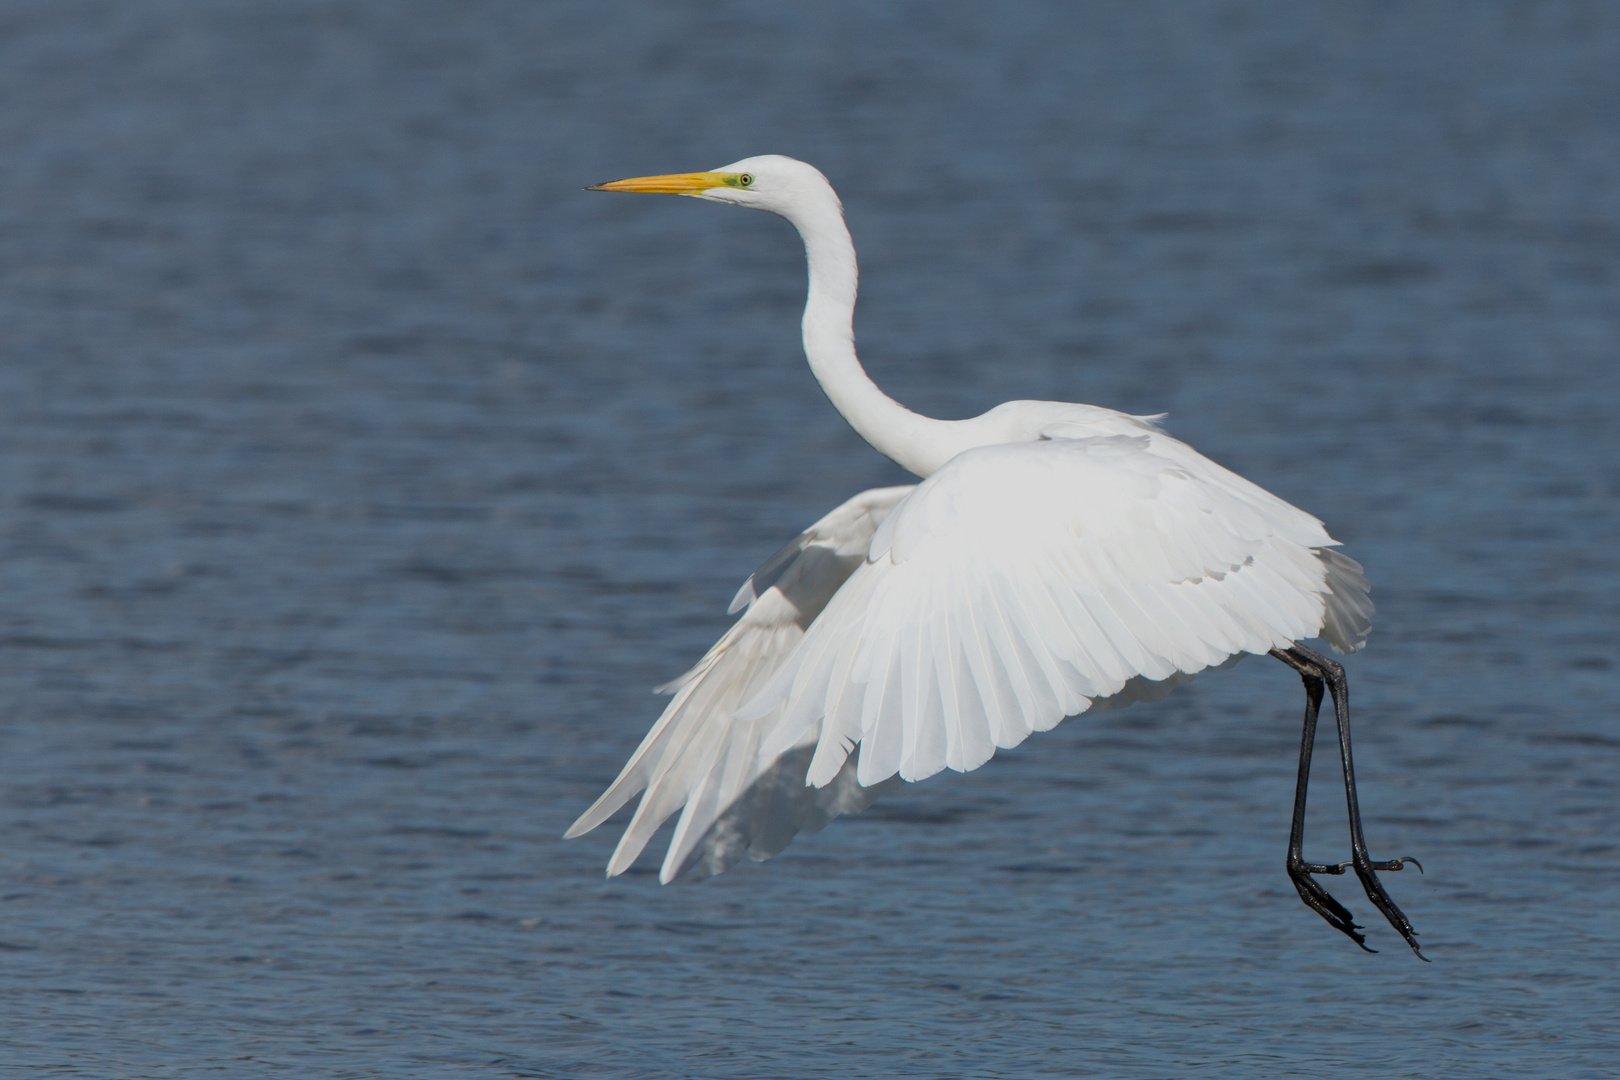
[
  {"x": 1022, "y": 582},
  {"x": 700, "y": 756},
  {"x": 1055, "y": 558}
]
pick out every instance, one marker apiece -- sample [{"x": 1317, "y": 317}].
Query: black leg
[
  {"x": 1315, "y": 897},
  {"x": 1317, "y": 672}
]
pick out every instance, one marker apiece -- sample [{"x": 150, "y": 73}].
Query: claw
[
  {"x": 1392, "y": 864},
  {"x": 1380, "y": 898},
  {"x": 1322, "y": 902}
]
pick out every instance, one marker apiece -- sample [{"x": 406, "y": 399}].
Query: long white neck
[{"x": 916, "y": 443}]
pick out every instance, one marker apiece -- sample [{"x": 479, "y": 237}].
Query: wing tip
[{"x": 744, "y": 599}]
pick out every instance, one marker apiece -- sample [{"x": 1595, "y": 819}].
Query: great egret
[{"x": 1055, "y": 558}]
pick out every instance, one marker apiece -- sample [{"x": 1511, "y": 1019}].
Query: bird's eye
[{"x": 746, "y": 179}]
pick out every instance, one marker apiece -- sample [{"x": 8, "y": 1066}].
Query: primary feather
[{"x": 701, "y": 757}]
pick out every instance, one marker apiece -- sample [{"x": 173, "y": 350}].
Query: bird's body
[{"x": 1054, "y": 558}]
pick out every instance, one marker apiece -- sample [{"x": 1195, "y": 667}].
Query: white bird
[{"x": 1055, "y": 558}]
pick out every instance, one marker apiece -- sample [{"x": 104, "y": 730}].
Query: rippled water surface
[{"x": 358, "y": 474}]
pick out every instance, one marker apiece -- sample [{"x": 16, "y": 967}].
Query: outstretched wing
[
  {"x": 1022, "y": 583},
  {"x": 737, "y": 798}
]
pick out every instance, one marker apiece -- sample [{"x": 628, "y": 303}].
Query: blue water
[{"x": 358, "y": 474}]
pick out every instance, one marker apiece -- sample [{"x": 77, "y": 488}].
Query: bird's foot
[
  {"x": 1365, "y": 870},
  {"x": 1337, "y": 915},
  {"x": 1318, "y": 900},
  {"x": 1339, "y": 868}
]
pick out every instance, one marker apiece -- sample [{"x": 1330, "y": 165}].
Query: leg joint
[{"x": 1299, "y": 658}]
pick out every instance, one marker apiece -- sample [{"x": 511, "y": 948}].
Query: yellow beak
[{"x": 674, "y": 184}]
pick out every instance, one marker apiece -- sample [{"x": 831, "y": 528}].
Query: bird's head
[{"x": 781, "y": 185}]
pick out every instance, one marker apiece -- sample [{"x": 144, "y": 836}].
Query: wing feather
[
  {"x": 1023, "y": 582},
  {"x": 735, "y": 797}
]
